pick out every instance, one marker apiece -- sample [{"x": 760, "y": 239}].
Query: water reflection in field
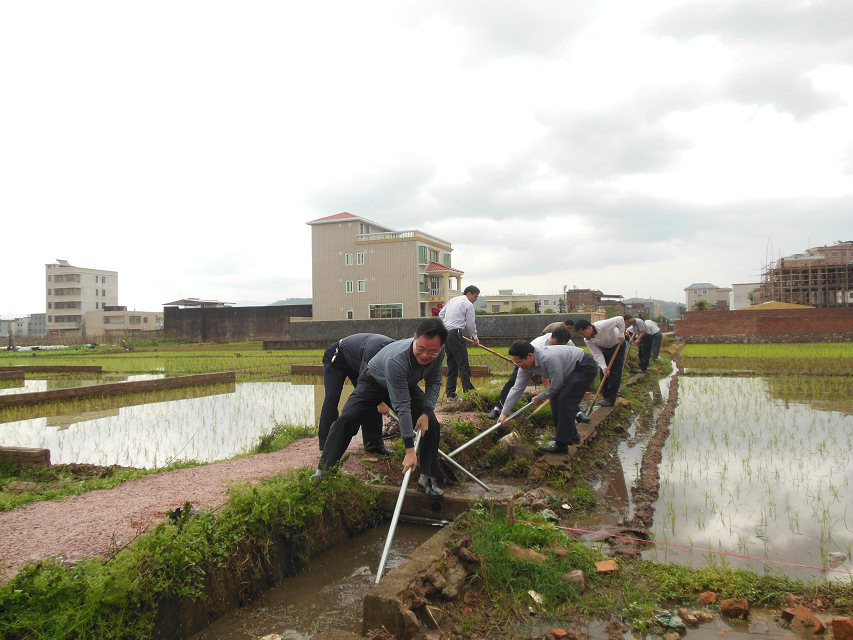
[
  {"x": 750, "y": 472},
  {"x": 151, "y": 435}
]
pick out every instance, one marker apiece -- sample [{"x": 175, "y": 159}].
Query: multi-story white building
[
  {"x": 72, "y": 291},
  {"x": 361, "y": 269},
  {"x": 742, "y": 294},
  {"x": 716, "y": 297}
]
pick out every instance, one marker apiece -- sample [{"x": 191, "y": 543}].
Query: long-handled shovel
[
  {"x": 487, "y": 431},
  {"x": 494, "y": 353},
  {"x": 603, "y": 379},
  {"x": 396, "y": 516},
  {"x": 452, "y": 461}
]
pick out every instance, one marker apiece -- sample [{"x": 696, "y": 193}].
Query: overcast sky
[{"x": 634, "y": 147}]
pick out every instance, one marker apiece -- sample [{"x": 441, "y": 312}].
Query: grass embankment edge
[{"x": 175, "y": 562}]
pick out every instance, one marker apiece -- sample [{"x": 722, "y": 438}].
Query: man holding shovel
[
  {"x": 392, "y": 377},
  {"x": 458, "y": 315},
  {"x": 559, "y": 336},
  {"x": 571, "y": 372},
  {"x": 602, "y": 338}
]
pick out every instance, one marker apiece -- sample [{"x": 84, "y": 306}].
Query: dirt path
[{"x": 95, "y": 523}]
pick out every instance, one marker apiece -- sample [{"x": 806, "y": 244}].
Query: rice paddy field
[{"x": 759, "y": 461}]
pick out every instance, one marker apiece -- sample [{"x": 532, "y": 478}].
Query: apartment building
[
  {"x": 32, "y": 325},
  {"x": 508, "y": 299},
  {"x": 362, "y": 270},
  {"x": 742, "y": 294},
  {"x": 118, "y": 321},
  {"x": 577, "y": 299},
  {"x": 820, "y": 277},
  {"x": 72, "y": 291},
  {"x": 716, "y": 297}
]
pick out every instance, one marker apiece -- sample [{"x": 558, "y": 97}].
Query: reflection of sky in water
[
  {"x": 742, "y": 472},
  {"x": 204, "y": 429},
  {"x": 31, "y": 386}
]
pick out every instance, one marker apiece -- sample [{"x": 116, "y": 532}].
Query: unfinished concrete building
[{"x": 820, "y": 277}]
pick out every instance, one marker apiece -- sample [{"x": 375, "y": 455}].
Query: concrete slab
[{"x": 382, "y": 605}]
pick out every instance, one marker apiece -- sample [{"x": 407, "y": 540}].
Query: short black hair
[
  {"x": 561, "y": 336},
  {"x": 471, "y": 289},
  {"x": 571, "y": 323},
  {"x": 520, "y": 349},
  {"x": 580, "y": 325},
  {"x": 627, "y": 316},
  {"x": 432, "y": 327}
]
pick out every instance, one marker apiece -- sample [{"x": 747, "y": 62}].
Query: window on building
[
  {"x": 433, "y": 255},
  {"x": 49, "y": 292},
  {"x": 50, "y": 318},
  {"x": 348, "y": 259},
  {"x": 50, "y": 305},
  {"x": 104, "y": 279},
  {"x": 704, "y": 292},
  {"x": 48, "y": 278},
  {"x": 96, "y": 291},
  {"x": 349, "y": 286},
  {"x": 96, "y": 305},
  {"x": 363, "y": 228},
  {"x": 135, "y": 319},
  {"x": 103, "y": 293},
  {"x": 359, "y": 257},
  {"x": 445, "y": 259},
  {"x": 145, "y": 320},
  {"x": 423, "y": 284},
  {"x": 496, "y": 308},
  {"x": 422, "y": 254},
  {"x": 361, "y": 286},
  {"x": 386, "y": 310},
  {"x": 349, "y": 314}
]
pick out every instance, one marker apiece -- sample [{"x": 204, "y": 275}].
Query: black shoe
[
  {"x": 428, "y": 485},
  {"x": 606, "y": 403},
  {"x": 582, "y": 417},
  {"x": 555, "y": 448},
  {"x": 450, "y": 396},
  {"x": 494, "y": 413},
  {"x": 318, "y": 474},
  {"x": 378, "y": 449}
]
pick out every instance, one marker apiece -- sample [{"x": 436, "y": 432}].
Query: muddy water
[
  {"x": 327, "y": 595},
  {"x": 747, "y": 472}
]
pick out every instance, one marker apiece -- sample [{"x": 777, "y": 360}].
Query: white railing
[
  {"x": 436, "y": 292},
  {"x": 400, "y": 235}
]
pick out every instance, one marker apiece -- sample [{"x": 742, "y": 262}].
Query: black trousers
[
  {"x": 566, "y": 403},
  {"x": 368, "y": 393},
  {"x": 335, "y": 371},
  {"x": 507, "y": 388},
  {"x": 656, "y": 340},
  {"x": 457, "y": 362},
  {"x": 644, "y": 351},
  {"x": 614, "y": 381}
]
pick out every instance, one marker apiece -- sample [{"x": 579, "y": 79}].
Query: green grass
[
  {"x": 60, "y": 481},
  {"x": 633, "y": 593},
  {"x": 282, "y": 436},
  {"x": 119, "y": 599},
  {"x": 785, "y": 351}
]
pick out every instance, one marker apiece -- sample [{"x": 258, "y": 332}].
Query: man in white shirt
[
  {"x": 602, "y": 339},
  {"x": 657, "y": 337},
  {"x": 643, "y": 335},
  {"x": 458, "y": 315}
]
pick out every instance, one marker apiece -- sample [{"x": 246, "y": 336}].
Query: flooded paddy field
[
  {"x": 44, "y": 382},
  {"x": 759, "y": 466}
]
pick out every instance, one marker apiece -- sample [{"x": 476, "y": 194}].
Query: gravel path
[{"x": 95, "y": 523}]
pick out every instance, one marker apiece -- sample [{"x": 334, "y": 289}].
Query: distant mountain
[
  {"x": 289, "y": 301},
  {"x": 250, "y": 303},
  {"x": 667, "y": 308}
]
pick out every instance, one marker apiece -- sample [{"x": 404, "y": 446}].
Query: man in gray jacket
[
  {"x": 571, "y": 371},
  {"x": 392, "y": 377}
]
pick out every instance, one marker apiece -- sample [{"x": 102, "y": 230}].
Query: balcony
[{"x": 412, "y": 234}]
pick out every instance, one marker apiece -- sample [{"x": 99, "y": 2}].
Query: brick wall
[
  {"x": 230, "y": 324},
  {"x": 833, "y": 324}
]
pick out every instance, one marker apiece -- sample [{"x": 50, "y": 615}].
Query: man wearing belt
[
  {"x": 602, "y": 338},
  {"x": 458, "y": 314},
  {"x": 347, "y": 358},
  {"x": 559, "y": 336},
  {"x": 392, "y": 377},
  {"x": 571, "y": 371}
]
